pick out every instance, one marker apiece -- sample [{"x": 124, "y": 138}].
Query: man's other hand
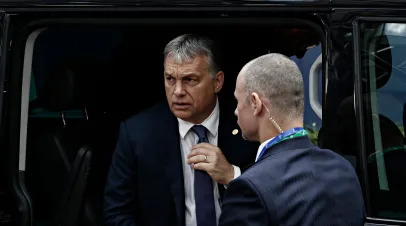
[{"x": 207, "y": 157}]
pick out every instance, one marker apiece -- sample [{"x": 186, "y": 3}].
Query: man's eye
[
  {"x": 169, "y": 79},
  {"x": 190, "y": 80}
]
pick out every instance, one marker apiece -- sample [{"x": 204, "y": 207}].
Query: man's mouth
[{"x": 181, "y": 106}]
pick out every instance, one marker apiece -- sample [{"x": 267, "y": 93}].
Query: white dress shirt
[
  {"x": 261, "y": 147},
  {"x": 187, "y": 139}
]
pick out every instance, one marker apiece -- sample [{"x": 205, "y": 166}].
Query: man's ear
[
  {"x": 218, "y": 81},
  {"x": 256, "y": 103}
]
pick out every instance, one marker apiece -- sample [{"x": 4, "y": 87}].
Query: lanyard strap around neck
[{"x": 287, "y": 135}]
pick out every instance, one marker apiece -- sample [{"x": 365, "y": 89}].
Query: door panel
[
  {"x": 5, "y": 209},
  {"x": 10, "y": 99}
]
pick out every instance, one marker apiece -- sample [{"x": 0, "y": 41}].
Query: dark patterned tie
[{"x": 204, "y": 195}]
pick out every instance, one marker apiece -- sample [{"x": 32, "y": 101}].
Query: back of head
[{"x": 278, "y": 79}]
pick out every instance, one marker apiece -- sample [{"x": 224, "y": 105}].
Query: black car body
[{"x": 361, "y": 102}]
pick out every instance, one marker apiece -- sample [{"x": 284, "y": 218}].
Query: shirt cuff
[{"x": 237, "y": 173}]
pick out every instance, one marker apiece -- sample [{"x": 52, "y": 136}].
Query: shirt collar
[
  {"x": 211, "y": 123},
  {"x": 262, "y": 147}
]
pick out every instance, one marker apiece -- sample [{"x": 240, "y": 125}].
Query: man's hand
[{"x": 207, "y": 157}]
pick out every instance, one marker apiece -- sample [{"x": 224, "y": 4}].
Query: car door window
[{"x": 383, "y": 99}]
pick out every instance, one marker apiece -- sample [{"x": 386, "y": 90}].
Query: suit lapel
[
  {"x": 223, "y": 144},
  {"x": 227, "y": 141},
  {"x": 173, "y": 167}
]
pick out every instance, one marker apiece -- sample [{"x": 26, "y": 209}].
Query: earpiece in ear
[{"x": 276, "y": 125}]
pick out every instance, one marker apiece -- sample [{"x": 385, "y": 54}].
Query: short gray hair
[
  {"x": 279, "y": 79},
  {"x": 186, "y": 47}
]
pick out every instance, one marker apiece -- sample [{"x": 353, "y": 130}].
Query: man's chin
[{"x": 184, "y": 115}]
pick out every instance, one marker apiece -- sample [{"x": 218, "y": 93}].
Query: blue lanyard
[{"x": 282, "y": 136}]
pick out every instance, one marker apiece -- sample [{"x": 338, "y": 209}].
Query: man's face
[
  {"x": 244, "y": 112},
  {"x": 190, "y": 89}
]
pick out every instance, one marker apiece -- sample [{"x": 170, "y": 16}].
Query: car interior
[{"x": 84, "y": 80}]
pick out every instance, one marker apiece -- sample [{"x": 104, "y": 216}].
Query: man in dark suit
[
  {"x": 292, "y": 182},
  {"x": 159, "y": 176}
]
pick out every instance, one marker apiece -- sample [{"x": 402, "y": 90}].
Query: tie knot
[{"x": 200, "y": 131}]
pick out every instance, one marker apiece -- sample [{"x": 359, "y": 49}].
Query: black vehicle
[{"x": 70, "y": 71}]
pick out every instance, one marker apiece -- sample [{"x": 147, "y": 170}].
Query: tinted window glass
[{"x": 383, "y": 63}]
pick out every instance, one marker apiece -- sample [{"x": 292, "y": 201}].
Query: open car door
[
  {"x": 364, "y": 102},
  {"x": 10, "y": 170}
]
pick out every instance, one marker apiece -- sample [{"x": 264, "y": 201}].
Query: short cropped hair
[
  {"x": 279, "y": 79},
  {"x": 186, "y": 47}
]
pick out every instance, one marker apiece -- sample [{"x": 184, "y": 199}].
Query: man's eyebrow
[{"x": 186, "y": 74}]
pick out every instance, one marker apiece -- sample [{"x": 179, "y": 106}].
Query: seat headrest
[
  {"x": 342, "y": 134},
  {"x": 63, "y": 87}
]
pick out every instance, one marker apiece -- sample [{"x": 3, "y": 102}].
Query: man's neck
[{"x": 270, "y": 131}]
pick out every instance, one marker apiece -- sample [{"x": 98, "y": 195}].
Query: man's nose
[
  {"x": 179, "y": 89},
  {"x": 235, "y": 112}
]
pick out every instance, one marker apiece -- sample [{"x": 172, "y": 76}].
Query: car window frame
[{"x": 360, "y": 115}]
